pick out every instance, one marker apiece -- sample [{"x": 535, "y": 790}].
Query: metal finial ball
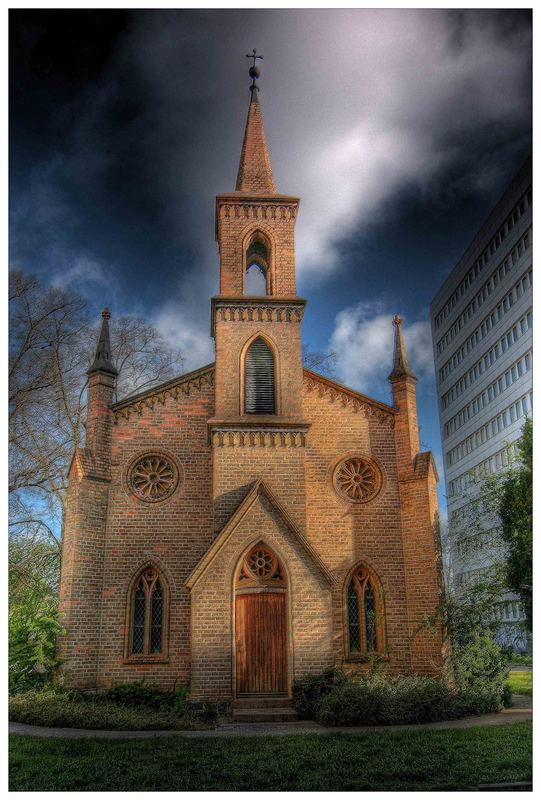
[{"x": 254, "y": 72}]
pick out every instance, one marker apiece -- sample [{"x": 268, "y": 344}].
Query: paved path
[{"x": 505, "y": 717}]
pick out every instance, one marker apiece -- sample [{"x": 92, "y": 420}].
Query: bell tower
[{"x": 256, "y": 318}]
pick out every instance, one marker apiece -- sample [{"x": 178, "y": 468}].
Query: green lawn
[
  {"x": 520, "y": 681},
  {"x": 388, "y": 760}
]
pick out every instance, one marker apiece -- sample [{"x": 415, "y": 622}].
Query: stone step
[
  {"x": 262, "y": 701},
  {"x": 264, "y": 715}
]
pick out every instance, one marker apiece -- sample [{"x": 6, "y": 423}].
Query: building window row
[
  {"x": 471, "y": 576},
  {"x": 508, "y": 611},
  {"x": 481, "y": 331},
  {"x": 484, "y": 398},
  {"x": 489, "y": 466},
  {"x": 491, "y": 248},
  {"x": 495, "y": 279},
  {"x": 511, "y": 336},
  {"x": 517, "y": 410},
  {"x": 469, "y": 545}
]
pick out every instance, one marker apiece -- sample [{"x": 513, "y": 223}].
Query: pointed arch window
[
  {"x": 364, "y": 610},
  {"x": 148, "y": 614},
  {"x": 256, "y": 279},
  {"x": 259, "y": 379}
]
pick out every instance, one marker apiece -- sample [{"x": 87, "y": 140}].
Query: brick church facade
[{"x": 249, "y": 522}]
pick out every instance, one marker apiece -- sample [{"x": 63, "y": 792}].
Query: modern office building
[{"x": 482, "y": 336}]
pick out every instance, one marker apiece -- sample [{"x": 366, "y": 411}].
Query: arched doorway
[{"x": 260, "y": 624}]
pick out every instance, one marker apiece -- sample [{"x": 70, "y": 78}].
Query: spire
[
  {"x": 102, "y": 360},
  {"x": 401, "y": 368},
  {"x": 255, "y": 171}
]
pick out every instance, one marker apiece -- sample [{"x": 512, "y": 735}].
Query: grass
[
  {"x": 520, "y": 681},
  {"x": 389, "y": 760}
]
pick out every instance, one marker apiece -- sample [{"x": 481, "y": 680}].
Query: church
[{"x": 250, "y": 522}]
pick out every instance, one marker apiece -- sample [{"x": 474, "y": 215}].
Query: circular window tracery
[
  {"x": 357, "y": 479},
  {"x": 153, "y": 477}
]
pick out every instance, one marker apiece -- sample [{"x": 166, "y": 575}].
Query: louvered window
[{"x": 259, "y": 379}]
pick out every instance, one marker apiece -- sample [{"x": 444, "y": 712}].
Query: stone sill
[{"x": 146, "y": 660}]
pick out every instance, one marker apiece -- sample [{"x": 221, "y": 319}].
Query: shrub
[
  {"x": 136, "y": 695},
  {"x": 480, "y": 663},
  {"x": 308, "y": 692},
  {"x": 520, "y": 659},
  {"x": 53, "y": 709},
  {"x": 507, "y": 695},
  {"x": 32, "y": 650},
  {"x": 401, "y": 700}
]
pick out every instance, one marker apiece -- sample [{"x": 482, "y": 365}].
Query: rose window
[
  {"x": 261, "y": 562},
  {"x": 357, "y": 479},
  {"x": 153, "y": 477}
]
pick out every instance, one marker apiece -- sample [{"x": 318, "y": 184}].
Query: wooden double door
[{"x": 261, "y": 642}]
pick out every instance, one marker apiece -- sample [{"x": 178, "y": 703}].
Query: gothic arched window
[
  {"x": 259, "y": 388},
  {"x": 365, "y": 624},
  {"x": 148, "y": 614},
  {"x": 256, "y": 279}
]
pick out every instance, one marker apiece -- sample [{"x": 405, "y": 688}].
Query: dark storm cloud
[{"x": 362, "y": 108}]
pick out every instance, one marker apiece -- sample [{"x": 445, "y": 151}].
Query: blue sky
[{"x": 399, "y": 129}]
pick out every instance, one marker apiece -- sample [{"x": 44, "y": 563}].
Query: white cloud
[
  {"x": 363, "y": 339},
  {"x": 184, "y": 321}
]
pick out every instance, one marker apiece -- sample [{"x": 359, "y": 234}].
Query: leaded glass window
[
  {"x": 148, "y": 611},
  {"x": 364, "y": 614},
  {"x": 139, "y": 603},
  {"x": 353, "y": 620},
  {"x": 156, "y": 621}
]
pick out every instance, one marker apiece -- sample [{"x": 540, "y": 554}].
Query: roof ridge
[
  {"x": 161, "y": 387},
  {"x": 351, "y": 392}
]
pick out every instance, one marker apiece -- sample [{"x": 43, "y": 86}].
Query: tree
[
  {"x": 52, "y": 342},
  {"x": 515, "y": 510},
  {"x": 319, "y": 361}
]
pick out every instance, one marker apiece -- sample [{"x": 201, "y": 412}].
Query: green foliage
[
  {"x": 33, "y": 616},
  {"x": 116, "y": 708},
  {"x": 308, "y": 692},
  {"x": 480, "y": 663},
  {"x": 58, "y": 709},
  {"x": 400, "y": 700},
  {"x": 507, "y": 695},
  {"x": 135, "y": 695},
  {"x": 520, "y": 659},
  {"x": 515, "y": 510}
]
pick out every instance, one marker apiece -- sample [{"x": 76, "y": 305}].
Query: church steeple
[{"x": 255, "y": 171}]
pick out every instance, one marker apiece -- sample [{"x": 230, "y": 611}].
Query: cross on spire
[
  {"x": 253, "y": 55},
  {"x": 254, "y": 71}
]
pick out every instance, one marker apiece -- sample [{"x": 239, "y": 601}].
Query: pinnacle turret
[
  {"x": 401, "y": 367},
  {"x": 102, "y": 359}
]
